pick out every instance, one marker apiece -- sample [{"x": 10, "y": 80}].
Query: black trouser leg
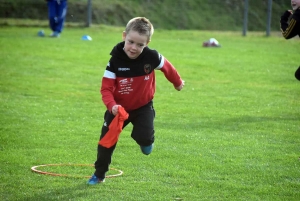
[
  {"x": 297, "y": 74},
  {"x": 103, "y": 160},
  {"x": 104, "y": 154},
  {"x": 143, "y": 125}
]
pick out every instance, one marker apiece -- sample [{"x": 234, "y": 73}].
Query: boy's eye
[{"x": 132, "y": 42}]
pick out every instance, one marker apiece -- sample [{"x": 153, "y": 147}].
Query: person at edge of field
[
  {"x": 290, "y": 25},
  {"x": 57, "y": 10},
  {"x": 129, "y": 82}
]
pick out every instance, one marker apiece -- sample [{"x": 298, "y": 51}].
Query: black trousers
[
  {"x": 142, "y": 120},
  {"x": 297, "y": 74}
]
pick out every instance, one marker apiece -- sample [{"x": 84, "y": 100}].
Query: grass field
[{"x": 231, "y": 134}]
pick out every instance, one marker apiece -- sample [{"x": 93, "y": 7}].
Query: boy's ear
[
  {"x": 148, "y": 42},
  {"x": 123, "y": 35}
]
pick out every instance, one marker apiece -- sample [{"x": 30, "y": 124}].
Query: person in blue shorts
[{"x": 57, "y": 10}]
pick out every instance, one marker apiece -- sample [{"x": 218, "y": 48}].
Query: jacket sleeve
[
  {"x": 170, "y": 72},
  {"x": 289, "y": 28},
  {"x": 108, "y": 86}
]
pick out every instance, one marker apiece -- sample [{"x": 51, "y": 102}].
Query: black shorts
[{"x": 142, "y": 120}]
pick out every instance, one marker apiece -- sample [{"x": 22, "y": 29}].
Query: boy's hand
[
  {"x": 180, "y": 87},
  {"x": 115, "y": 109}
]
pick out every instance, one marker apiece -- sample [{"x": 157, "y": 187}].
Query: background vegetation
[{"x": 164, "y": 14}]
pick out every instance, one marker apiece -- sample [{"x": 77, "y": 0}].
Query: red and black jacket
[{"x": 131, "y": 82}]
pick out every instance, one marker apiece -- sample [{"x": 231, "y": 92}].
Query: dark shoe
[
  {"x": 147, "y": 149},
  {"x": 95, "y": 180},
  {"x": 54, "y": 34}
]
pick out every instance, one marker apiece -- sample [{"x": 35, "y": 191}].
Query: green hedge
[{"x": 165, "y": 14}]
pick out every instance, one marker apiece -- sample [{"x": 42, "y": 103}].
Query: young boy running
[
  {"x": 129, "y": 83},
  {"x": 290, "y": 25}
]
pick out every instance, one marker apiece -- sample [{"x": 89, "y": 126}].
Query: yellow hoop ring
[{"x": 34, "y": 169}]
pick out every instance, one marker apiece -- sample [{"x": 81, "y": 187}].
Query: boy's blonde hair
[{"x": 141, "y": 25}]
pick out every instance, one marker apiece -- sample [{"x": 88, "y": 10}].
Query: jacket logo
[
  {"x": 126, "y": 81},
  {"x": 123, "y": 69},
  {"x": 147, "y": 68}
]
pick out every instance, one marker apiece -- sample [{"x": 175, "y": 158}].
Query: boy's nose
[{"x": 134, "y": 46}]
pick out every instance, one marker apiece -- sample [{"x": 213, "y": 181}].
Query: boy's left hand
[{"x": 180, "y": 87}]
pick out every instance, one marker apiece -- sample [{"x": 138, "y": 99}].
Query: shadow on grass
[
  {"x": 68, "y": 192},
  {"x": 233, "y": 123}
]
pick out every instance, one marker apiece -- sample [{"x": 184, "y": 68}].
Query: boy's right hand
[
  {"x": 180, "y": 87},
  {"x": 115, "y": 109}
]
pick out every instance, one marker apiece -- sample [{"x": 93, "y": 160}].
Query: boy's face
[
  {"x": 134, "y": 43},
  {"x": 295, "y": 4}
]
